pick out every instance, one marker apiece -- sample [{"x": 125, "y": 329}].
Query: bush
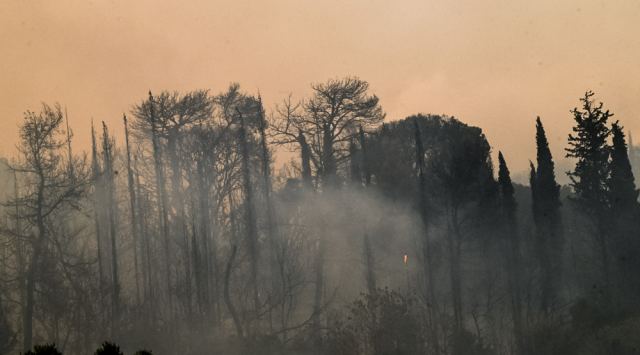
[
  {"x": 384, "y": 322},
  {"x": 108, "y": 348},
  {"x": 46, "y": 349}
]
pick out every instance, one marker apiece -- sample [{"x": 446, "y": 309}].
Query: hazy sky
[{"x": 492, "y": 63}]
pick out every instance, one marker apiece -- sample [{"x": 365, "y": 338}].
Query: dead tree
[
  {"x": 112, "y": 213},
  {"x": 135, "y": 226},
  {"x": 369, "y": 262},
  {"x": 98, "y": 193},
  {"x": 48, "y": 188},
  {"x": 250, "y": 217}
]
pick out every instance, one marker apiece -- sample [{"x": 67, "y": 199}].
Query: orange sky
[{"x": 492, "y": 63}]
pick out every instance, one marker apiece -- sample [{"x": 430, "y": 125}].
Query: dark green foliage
[
  {"x": 588, "y": 145},
  {"x": 108, "y": 348},
  {"x": 547, "y": 191},
  {"x": 625, "y": 212},
  {"x": 512, "y": 249},
  {"x": 623, "y": 194},
  {"x": 47, "y": 349},
  {"x": 589, "y": 179},
  {"x": 506, "y": 187},
  {"x": 545, "y": 194},
  {"x": 458, "y": 164}
]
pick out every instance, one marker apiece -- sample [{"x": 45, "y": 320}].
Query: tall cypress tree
[
  {"x": 364, "y": 157},
  {"x": 588, "y": 145},
  {"x": 546, "y": 213},
  {"x": 622, "y": 188},
  {"x": 508, "y": 207},
  {"x": 354, "y": 163},
  {"x": 623, "y": 199}
]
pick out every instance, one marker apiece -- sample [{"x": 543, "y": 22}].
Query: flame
[{"x": 405, "y": 259}]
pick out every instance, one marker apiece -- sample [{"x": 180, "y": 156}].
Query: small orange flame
[{"x": 405, "y": 259}]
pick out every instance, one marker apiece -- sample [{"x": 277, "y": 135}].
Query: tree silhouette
[
  {"x": 545, "y": 194},
  {"x": 588, "y": 144}
]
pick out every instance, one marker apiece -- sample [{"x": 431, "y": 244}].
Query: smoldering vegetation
[{"x": 398, "y": 237}]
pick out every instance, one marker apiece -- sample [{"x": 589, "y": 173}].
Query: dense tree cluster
[{"x": 376, "y": 238}]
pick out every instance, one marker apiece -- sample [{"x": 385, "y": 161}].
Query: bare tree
[
  {"x": 327, "y": 122},
  {"x": 47, "y": 189}
]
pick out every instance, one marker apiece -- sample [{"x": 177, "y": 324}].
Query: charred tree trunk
[
  {"x": 227, "y": 293},
  {"x": 272, "y": 230},
  {"x": 369, "y": 261},
  {"x": 20, "y": 252},
  {"x": 305, "y": 157},
  {"x": 318, "y": 295},
  {"x": 328, "y": 158},
  {"x": 135, "y": 226},
  {"x": 34, "y": 265},
  {"x": 112, "y": 216},
  {"x": 147, "y": 273},
  {"x": 162, "y": 199},
  {"x": 250, "y": 218},
  {"x": 364, "y": 158},
  {"x": 97, "y": 195},
  {"x": 180, "y": 226}
]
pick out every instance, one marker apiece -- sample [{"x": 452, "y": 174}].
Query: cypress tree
[
  {"x": 588, "y": 145},
  {"x": 508, "y": 207},
  {"x": 622, "y": 188},
  {"x": 354, "y": 163},
  {"x": 623, "y": 199},
  {"x": 364, "y": 157},
  {"x": 546, "y": 213}
]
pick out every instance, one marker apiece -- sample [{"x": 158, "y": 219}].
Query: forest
[{"x": 368, "y": 235}]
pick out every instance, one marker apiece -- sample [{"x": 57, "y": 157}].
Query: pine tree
[
  {"x": 588, "y": 145},
  {"x": 546, "y": 213}
]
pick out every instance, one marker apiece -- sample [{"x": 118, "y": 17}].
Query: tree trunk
[
  {"x": 133, "y": 206},
  {"x": 305, "y": 159},
  {"x": 369, "y": 261},
  {"x": 250, "y": 218},
  {"x": 162, "y": 197}
]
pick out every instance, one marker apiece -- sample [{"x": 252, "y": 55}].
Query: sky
[{"x": 496, "y": 64}]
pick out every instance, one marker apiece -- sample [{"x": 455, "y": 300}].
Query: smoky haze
[
  {"x": 494, "y": 64},
  {"x": 298, "y": 178}
]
